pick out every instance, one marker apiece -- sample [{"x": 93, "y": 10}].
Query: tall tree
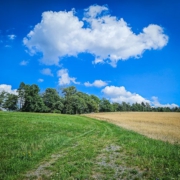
[
  {"x": 21, "y": 94},
  {"x": 78, "y": 104},
  {"x": 90, "y": 103},
  {"x": 52, "y": 100},
  {"x": 2, "y": 97},
  {"x": 69, "y": 99},
  {"x": 33, "y": 101},
  {"x": 124, "y": 106},
  {"x": 96, "y": 103},
  {"x": 148, "y": 107},
  {"x": 116, "y": 106},
  {"x": 105, "y": 105},
  {"x": 69, "y": 91},
  {"x": 10, "y": 102}
]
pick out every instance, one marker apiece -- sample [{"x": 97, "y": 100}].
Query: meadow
[{"x": 53, "y": 146}]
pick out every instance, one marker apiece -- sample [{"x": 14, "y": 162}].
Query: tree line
[{"x": 71, "y": 101}]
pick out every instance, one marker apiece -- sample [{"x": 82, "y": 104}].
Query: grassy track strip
[{"x": 42, "y": 168}]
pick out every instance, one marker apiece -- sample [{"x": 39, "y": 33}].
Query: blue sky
[{"x": 124, "y": 50}]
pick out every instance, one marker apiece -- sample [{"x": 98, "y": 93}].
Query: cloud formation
[
  {"x": 96, "y": 83},
  {"x": 108, "y": 38},
  {"x": 47, "y": 72},
  {"x": 24, "y": 63},
  {"x": 120, "y": 94},
  {"x": 40, "y": 80},
  {"x": 65, "y": 79},
  {"x": 11, "y": 36},
  {"x": 156, "y": 103},
  {"x": 8, "y": 88}
]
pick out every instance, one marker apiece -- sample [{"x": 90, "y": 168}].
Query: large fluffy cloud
[
  {"x": 8, "y": 88},
  {"x": 107, "y": 37},
  {"x": 96, "y": 83},
  {"x": 64, "y": 78},
  {"x": 156, "y": 103},
  {"x": 120, "y": 94}
]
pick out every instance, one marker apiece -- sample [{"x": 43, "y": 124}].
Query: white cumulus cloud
[
  {"x": 120, "y": 94},
  {"x": 24, "y": 63},
  {"x": 94, "y": 10},
  {"x": 108, "y": 38},
  {"x": 8, "y": 88},
  {"x": 11, "y": 36},
  {"x": 96, "y": 83},
  {"x": 64, "y": 78},
  {"x": 47, "y": 72},
  {"x": 156, "y": 103},
  {"x": 40, "y": 80}
]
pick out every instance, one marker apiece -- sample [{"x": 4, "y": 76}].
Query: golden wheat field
[{"x": 158, "y": 125}]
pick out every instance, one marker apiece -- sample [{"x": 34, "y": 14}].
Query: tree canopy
[
  {"x": 10, "y": 102},
  {"x": 71, "y": 101}
]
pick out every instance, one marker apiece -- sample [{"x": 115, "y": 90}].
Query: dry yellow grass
[{"x": 164, "y": 126}]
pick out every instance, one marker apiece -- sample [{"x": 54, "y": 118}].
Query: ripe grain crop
[{"x": 157, "y": 125}]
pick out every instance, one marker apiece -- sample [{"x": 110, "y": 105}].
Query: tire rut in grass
[{"x": 43, "y": 168}]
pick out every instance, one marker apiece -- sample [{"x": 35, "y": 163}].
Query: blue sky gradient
[{"x": 144, "y": 67}]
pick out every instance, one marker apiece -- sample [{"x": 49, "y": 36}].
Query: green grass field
[{"x": 52, "y": 146}]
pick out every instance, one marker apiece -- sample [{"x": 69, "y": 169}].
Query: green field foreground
[{"x": 53, "y": 146}]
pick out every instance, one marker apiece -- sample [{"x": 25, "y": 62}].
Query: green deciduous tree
[
  {"x": 32, "y": 100},
  {"x": 10, "y": 102},
  {"x": 73, "y": 102},
  {"x": 69, "y": 98},
  {"x": 21, "y": 94},
  {"x": 91, "y": 104},
  {"x": 105, "y": 105},
  {"x": 52, "y": 100},
  {"x": 116, "y": 106},
  {"x": 2, "y": 97},
  {"x": 78, "y": 102},
  {"x": 96, "y": 103}
]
